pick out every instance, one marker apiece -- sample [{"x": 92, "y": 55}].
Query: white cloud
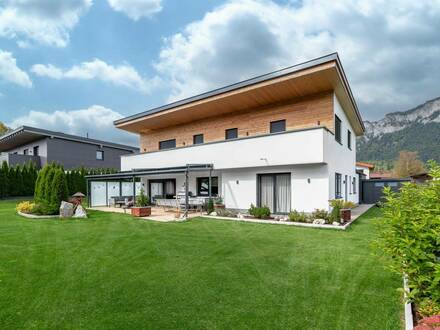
[
  {"x": 96, "y": 120},
  {"x": 390, "y": 53},
  {"x": 10, "y": 72},
  {"x": 43, "y": 21},
  {"x": 136, "y": 9},
  {"x": 121, "y": 75}
]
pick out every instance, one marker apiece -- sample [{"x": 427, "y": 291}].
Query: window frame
[
  {"x": 272, "y": 131},
  {"x": 173, "y": 141},
  {"x": 195, "y": 136},
  {"x": 26, "y": 151},
  {"x": 349, "y": 139},
  {"x": 101, "y": 152},
  {"x": 354, "y": 185},
  {"x": 199, "y": 185},
  {"x": 338, "y": 185},
  {"x": 231, "y": 130},
  {"x": 338, "y": 129},
  {"x": 36, "y": 148}
]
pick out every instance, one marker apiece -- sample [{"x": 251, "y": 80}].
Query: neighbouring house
[
  {"x": 381, "y": 175},
  {"x": 421, "y": 177},
  {"x": 364, "y": 169},
  {"x": 43, "y": 146},
  {"x": 286, "y": 140}
]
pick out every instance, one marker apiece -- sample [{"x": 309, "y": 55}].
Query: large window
[
  {"x": 231, "y": 133},
  {"x": 349, "y": 139},
  {"x": 277, "y": 126},
  {"x": 338, "y": 129},
  {"x": 203, "y": 186},
  {"x": 167, "y": 144},
  {"x": 338, "y": 185},
  {"x": 198, "y": 139},
  {"x": 99, "y": 155},
  {"x": 274, "y": 192}
]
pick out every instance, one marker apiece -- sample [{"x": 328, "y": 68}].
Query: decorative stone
[
  {"x": 240, "y": 216},
  {"x": 214, "y": 214},
  {"x": 66, "y": 209},
  {"x": 335, "y": 223},
  {"x": 80, "y": 212},
  {"x": 319, "y": 222}
]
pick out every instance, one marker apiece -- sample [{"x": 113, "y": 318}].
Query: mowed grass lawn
[{"x": 114, "y": 272}]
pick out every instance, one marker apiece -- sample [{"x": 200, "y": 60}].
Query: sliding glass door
[
  {"x": 161, "y": 188},
  {"x": 274, "y": 192}
]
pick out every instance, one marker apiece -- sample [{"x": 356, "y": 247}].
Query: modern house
[
  {"x": 42, "y": 146},
  {"x": 286, "y": 140}
]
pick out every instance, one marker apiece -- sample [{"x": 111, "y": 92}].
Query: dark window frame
[
  {"x": 349, "y": 139},
  {"x": 26, "y": 151},
  {"x": 231, "y": 130},
  {"x": 37, "y": 149},
  {"x": 214, "y": 188},
  {"x": 275, "y": 129},
  {"x": 162, "y": 144},
  {"x": 338, "y": 129},
  {"x": 354, "y": 185},
  {"x": 274, "y": 175},
  {"x": 101, "y": 152},
  {"x": 338, "y": 185},
  {"x": 197, "y": 136}
]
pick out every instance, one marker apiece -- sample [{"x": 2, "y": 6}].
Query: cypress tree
[
  {"x": 5, "y": 171},
  {"x": 59, "y": 191}
]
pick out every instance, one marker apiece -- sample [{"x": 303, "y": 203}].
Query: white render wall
[
  {"x": 239, "y": 186},
  {"x": 340, "y": 158},
  {"x": 301, "y": 147}
]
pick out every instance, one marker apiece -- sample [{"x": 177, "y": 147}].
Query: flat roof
[
  {"x": 27, "y": 134},
  {"x": 245, "y": 83}
]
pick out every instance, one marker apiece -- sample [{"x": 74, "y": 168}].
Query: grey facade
[{"x": 41, "y": 146}]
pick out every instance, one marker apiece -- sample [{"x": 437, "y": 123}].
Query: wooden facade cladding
[{"x": 311, "y": 111}]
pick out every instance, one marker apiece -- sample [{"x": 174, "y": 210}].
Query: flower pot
[
  {"x": 219, "y": 206},
  {"x": 345, "y": 215},
  {"x": 144, "y": 211}
]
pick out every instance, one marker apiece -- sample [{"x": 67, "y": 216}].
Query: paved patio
[{"x": 157, "y": 213}]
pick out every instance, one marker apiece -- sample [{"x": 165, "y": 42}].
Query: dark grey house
[{"x": 42, "y": 146}]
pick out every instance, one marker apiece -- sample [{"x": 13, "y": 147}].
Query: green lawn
[{"x": 112, "y": 271}]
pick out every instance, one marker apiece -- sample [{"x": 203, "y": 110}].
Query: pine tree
[{"x": 5, "y": 171}]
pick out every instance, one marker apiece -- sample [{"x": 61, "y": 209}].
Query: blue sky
[{"x": 77, "y": 65}]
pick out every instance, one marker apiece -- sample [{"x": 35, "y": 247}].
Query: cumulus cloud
[
  {"x": 43, "y": 21},
  {"x": 121, "y": 75},
  {"x": 136, "y": 9},
  {"x": 390, "y": 53},
  {"x": 10, "y": 72},
  {"x": 96, "y": 120}
]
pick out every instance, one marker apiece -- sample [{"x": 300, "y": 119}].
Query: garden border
[
  {"x": 34, "y": 216},
  {"x": 287, "y": 223}
]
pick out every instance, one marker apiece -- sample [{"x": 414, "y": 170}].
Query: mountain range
[{"x": 417, "y": 129}]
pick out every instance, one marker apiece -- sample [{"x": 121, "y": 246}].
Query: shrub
[
  {"x": 142, "y": 200},
  {"x": 259, "y": 212},
  {"x": 50, "y": 189},
  {"x": 409, "y": 237},
  {"x": 218, "y": 201},
  {"x": 335, "y": 214},
  {"x": 25, "y": 207},
  {"x": 321, "y": 214},
  {"x": 210, "y": 206},
  {"x": 299, "y": 216},
  {"x": 348, "y": 205}
]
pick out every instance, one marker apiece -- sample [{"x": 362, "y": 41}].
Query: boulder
[
  {"x": 335, "y": 223},
  {"x": 319, "y": 222},
  {"x": 80, "y": 212},
  {"x": 66, "y": 209}
]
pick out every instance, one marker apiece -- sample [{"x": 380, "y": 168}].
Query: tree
[
  {"x": 408, "y": 164},
  {"x": 59, "y": 190},
  {"x": 3, "y": 128}
]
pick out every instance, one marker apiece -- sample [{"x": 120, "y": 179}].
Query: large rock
[
  {"x": 80, "y": 212},
  {"x": 66, "y": 209}
]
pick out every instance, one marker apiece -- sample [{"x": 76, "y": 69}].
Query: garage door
[{"x": 98, "y": 194}]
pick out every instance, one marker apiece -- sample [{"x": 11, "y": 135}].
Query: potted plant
[
  {"x": 218, "y": 203},
  {"x": 142, "y": 206},
  {"x": 346, "y": 210}
]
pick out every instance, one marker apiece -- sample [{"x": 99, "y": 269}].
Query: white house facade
[{"x": 286, "y": 140}]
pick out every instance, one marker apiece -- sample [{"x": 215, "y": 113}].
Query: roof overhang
[
  {"x": 26, "y": 134},
  {"x": 321, "y": 75}
]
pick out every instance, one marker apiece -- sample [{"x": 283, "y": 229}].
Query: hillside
[{"x": 417, "y": 129}]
